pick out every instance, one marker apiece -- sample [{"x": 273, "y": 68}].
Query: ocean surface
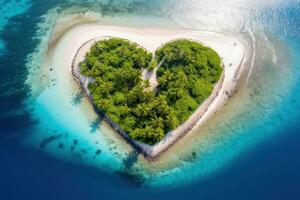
[{"x": 51, "y": 147}]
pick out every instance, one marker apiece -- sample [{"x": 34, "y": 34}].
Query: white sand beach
[{"x": 234, "y": 51}]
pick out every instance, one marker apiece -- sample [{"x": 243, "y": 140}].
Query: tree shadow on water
[
  {"x": 130, "y": 160},
  {"x": 95, "y": 124},
  {"x": 77, "y": 99},
  {"x": 130, "y": 175}
]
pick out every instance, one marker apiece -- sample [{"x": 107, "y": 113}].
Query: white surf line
[{"x": 254, "y": 52}]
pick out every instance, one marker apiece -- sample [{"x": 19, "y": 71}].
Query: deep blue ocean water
[{"x": 267, "y": 170}]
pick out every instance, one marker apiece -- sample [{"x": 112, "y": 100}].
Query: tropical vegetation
[{"x": 186, "y": 77}]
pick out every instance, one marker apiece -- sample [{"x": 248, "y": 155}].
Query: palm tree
[
  {"x": 106, "y": 87},
  {"x": 142, "y": 110},
  {"x": 103, "y": 104},
  {"x": 124, "y": 110},
  {"x": 168, "y": 75},
  {"x": 157, "y": 122},
  {"x": 165, "y": 79},
  {"x": 171, "y": 121}
]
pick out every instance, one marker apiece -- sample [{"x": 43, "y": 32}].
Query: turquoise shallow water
[{"x": 265, "y": 108}]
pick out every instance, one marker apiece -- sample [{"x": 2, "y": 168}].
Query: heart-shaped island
[
  {"x": 154, "y": 97},
  {"x": 186, "y": 74}
]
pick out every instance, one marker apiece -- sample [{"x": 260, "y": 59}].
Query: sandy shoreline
[
  {"x": 221, "y": 92},
  {"x": 233, "y": 52}
]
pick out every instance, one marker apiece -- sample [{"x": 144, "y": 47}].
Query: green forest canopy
[{"x": 185, "y": 79}]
